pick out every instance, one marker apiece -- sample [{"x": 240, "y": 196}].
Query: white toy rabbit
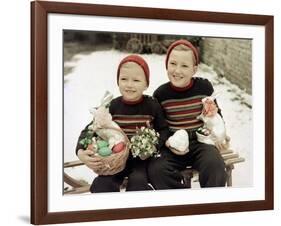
[{"x": 103, "y": 124}]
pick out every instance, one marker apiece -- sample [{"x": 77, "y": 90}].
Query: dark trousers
[
  {"x": 164, "y": 172},
  {"x": 136, "y": 171}
]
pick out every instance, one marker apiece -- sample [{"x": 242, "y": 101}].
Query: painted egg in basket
[
  {"x": 105, "y": 151},
  {"x": 118, "y": 147}
]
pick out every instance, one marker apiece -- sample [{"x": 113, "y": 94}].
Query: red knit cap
[
  {"x": 138, "y": 60},
  {"x": 187, "y": 44}
]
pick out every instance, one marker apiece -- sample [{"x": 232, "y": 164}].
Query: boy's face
[
  {"x": 181, "y": 67},
  {"x": 132, "y": 81}
]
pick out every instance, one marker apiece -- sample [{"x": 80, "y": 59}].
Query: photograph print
[{"x": 185, "y": 128}]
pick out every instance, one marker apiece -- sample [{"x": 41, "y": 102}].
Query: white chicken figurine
[{"x": 213, "y": 124}]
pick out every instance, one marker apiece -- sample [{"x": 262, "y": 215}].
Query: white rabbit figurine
[{"x": 179, "y": 142}]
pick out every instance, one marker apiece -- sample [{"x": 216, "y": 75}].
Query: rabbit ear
[
  {"x": 105, "y": 94},
  {"x": 107, "y": 97},
  {"x": 215, "y": 95},
  {"x": 93, "y": 110}
]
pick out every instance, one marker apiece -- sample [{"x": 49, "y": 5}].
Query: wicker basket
[{"x": 115, "y": 162}]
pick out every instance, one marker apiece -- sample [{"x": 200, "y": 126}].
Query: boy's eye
[
  {"x": 172, "y": 63},
  {"x": 184, "y": 65},
  {"x": 123, "y": 79},
  {"x": 136, "y": 80}
]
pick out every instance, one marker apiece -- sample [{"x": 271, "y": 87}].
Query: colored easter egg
[
  {"x": 118, "y": 147},
  {"x": 90, "y": 147},
  {"x": 105, "y": 151},
  {"x": 102, "y": 143}
]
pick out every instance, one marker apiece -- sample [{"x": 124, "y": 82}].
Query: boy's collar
[
  {"x": 182, "y": 89},
  {"x": 132, "y": 102}
]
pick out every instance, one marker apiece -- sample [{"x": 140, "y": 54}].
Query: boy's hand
[
  {"x": 86, "y": 156},
  {"x": 209, "y": 108},
  {"x": 222, "y": 146},
  {"x": 174, "y": 150},
  {"x": 167, "y": 144}
]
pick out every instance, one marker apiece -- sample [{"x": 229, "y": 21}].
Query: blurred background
[{"x": 230, "y": 58}]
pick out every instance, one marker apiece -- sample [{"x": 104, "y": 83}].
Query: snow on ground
[{"x": 95, "y": 73}]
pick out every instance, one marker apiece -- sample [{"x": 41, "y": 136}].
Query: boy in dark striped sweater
[
  {"x": 130, "y": 111},
  {"x": 181, "y": 100}
]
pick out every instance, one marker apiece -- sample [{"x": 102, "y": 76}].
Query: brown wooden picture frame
[{"x": 39, "y": 111}]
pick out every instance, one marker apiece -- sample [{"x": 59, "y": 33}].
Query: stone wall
[{"x": 230, "y": 58}]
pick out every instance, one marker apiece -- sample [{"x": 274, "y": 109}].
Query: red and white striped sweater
[{"x": 182, "y": 106}]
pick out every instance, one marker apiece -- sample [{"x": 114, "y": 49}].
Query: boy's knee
[
  {"x": 211, "y": 157},
  {"x": 163, "y": 175},
  {"x": 137, "y": 181},
  {"x": 104, "y": 184},
  {"x": 161, "y": 169},
  {"x": 156, "y": 168},
  {"x": 214, "y": 167},
  {"x": 213, "y": 174},
  {"x": 137, "y": 178},
  {"x": 137, "y": 184},
  {"x": 214, "y": 163}
]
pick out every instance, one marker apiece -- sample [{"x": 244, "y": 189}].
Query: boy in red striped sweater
[
  {"x": 130, "y": 111},
  {"x": 181, "y": 100}
]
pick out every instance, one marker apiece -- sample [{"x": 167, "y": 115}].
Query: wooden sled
[{"x": 230, "y": 158}]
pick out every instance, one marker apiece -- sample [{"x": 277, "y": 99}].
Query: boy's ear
[{"x": 195, "y": 67}]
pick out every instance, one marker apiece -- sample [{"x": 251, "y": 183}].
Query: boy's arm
[
  {"x": 155, "y": 95},
  {"x": 161, "y": 125}
]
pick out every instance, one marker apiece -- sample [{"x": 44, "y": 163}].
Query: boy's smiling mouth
[
  {"x": 177, "y": 77},
  {"x": 130, "y": 91}
]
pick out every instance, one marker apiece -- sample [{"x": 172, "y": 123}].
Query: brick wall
[{"x": 231, "y": 58}]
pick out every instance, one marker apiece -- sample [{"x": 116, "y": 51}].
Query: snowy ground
[{"x": 94, "y": 73}]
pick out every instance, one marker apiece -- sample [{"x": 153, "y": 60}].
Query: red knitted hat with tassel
[
  {"x": 138, "y": 60},
  {"x": 185, "y": 43}
]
